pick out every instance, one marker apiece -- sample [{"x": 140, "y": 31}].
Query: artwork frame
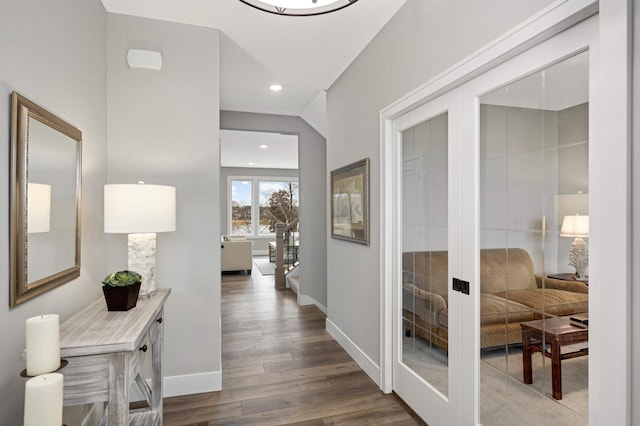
[{"x": 350, "y": 202}]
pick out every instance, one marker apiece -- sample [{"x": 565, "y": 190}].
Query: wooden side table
[
  {"x": 555, "y": 332},
  {"x": 105, "y": 351}
]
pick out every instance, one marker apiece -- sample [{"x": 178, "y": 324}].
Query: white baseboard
[
  {"x": 361, "y": 358},
  {"x": 192, "y": 383},
  {"x": 303, "y": 299}
]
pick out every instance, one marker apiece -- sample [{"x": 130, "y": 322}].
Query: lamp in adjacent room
[
  {"x": 577, "y": 226},
  {"x": 38, "y": 208},
  {"x": 140, "y": 210}
]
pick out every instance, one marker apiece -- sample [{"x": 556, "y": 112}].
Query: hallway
[{"x": 280, "y": 366}]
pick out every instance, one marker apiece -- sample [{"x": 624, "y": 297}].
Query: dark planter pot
[{"x": 121, "y": 298}]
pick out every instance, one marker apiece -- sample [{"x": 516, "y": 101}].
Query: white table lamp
[
  {"x": 140, "y": 211},
  {"x": 38, "y": 208},
  {"x": 576, "y": 226}
]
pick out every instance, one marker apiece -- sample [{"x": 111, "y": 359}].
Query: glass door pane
[
  {"x": 534, "y": 147},
  {"x": 425, "y": 251}
]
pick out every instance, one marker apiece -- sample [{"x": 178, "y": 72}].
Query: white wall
[
  {"x": 313, "y": 184},
  {"x": 164, "y": 129},
  {"x": 635, "y": 260},
  {"x": 54, "y": 54},
  {"x": 421, "y": 40}
]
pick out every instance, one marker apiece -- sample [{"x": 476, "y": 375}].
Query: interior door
[
  {"x": 525, "y": 139},
  {"x": 426, "y": 326}
]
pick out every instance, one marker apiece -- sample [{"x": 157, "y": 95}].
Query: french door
[
  {"x": 426, "y": 313},
  {"x": 490, "y": 168}
]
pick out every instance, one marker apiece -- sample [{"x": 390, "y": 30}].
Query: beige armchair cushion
[{"x": 237, "y": 256}]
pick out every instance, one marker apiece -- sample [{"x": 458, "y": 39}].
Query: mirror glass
[{"x": 45, "y": 213}]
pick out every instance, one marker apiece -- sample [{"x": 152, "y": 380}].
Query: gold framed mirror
[{"x": 45, "y": 200}]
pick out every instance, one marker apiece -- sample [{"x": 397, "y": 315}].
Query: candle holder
[{"x": 63, "y": 364}]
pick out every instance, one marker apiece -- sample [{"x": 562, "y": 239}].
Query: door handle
[{"x": 461, "y": 285}]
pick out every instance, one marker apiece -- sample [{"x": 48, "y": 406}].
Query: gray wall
[
  {"x": 531, "y": 160},
  {"x": 164, "y": 129},
  {"x": 313, "y": 195},
  {"x": 260, "y": 245},
  {"x": 54, "y": 54},
  {"x": 422, "y": 40}
]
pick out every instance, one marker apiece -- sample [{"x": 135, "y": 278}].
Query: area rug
[{"x": 264, "y": 266}]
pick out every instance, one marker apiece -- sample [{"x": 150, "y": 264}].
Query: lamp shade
[
  {"x": 575, "y": 226},
  {"x": 139, "y": 208},
  {"x": 38, "y": 208}
]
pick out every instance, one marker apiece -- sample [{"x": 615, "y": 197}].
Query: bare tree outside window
[
  {"x": 283, "y": 207},
  {"x": 278, "y": 204}
]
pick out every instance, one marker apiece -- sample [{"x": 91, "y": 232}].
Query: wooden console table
[{"x": 105, "y": 351}]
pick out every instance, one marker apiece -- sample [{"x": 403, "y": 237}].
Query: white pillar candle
[
  {"x": 43, "y": 344},
  {"x": 43, "y": 400}
]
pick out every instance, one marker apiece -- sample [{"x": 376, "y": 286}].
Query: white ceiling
[
  {"x": 258, "y": 150},
  {"x": 303, "y": 54}
]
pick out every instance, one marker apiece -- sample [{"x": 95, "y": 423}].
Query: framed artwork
[{"x": 350, "y": 202}]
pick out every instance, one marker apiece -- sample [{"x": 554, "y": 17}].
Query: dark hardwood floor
[{"x": 280, "y": 367}]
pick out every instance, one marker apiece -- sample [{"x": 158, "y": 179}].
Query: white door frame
[{"x": 609, "y": 395}]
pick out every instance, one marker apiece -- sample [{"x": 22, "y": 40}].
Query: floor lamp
[{"x": 140, "y": 211}]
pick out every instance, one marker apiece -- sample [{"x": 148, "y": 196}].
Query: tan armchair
[{"x": 237, "y": 254}]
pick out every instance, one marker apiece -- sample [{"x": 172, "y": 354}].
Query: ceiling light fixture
[
  {"x": 264, "y": 146},
  {"x": 299, "y": 7},
  {"x": 275, "y": 87}
]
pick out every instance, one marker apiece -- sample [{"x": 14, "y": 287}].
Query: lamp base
[
  {"x": 579, "y": 257},
  {"x": 142, "y": 259}
]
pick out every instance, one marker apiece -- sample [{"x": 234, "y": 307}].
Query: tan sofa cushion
[
  {"x": 427, "y": 270},
  {"x": 550, "y": 301},
  {"x": 428, "y": 308},
  {"x": 496, "y": 310},
  {"x": 505, "y": 270}
]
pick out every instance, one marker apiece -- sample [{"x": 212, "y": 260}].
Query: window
[
  {"x": 271, "y": 200},
  {"x": 241, "y": 207}
]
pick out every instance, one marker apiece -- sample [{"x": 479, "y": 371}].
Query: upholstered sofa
[
  {"x": 237, "y": 254},
  {"x": 510, "y": 293}
]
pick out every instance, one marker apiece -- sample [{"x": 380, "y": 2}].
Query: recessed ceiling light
[
  {"x": 275, "y": 87},
  {"x": 264, "y": 146},
  {"x": 251, "y": 164}
]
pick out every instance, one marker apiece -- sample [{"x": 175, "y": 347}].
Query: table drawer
[{"x": 86, "y": 379}]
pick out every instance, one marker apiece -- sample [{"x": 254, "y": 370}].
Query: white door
[
  {"x": 526, "y": 160},
  {"x": 474, "y": 187},
  {"x": 426, "y": 351}
]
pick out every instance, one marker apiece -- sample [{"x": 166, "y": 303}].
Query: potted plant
[{"x": 121, "y": 290}]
